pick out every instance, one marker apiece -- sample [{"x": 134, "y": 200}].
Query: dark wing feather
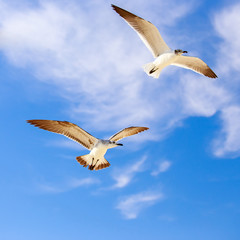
[
  {"x": 146, "y": 31},
  {"x": 126, "y": 133},
  {"x": 67, "y": 129}
]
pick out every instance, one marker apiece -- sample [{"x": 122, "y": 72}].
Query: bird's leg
[
  {"x": 95, "y": 163},
  {"x": 91, "y": 165},
  {"x": 153, "y": 70}
]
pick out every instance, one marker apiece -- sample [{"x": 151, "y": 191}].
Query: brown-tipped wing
[
  {"x": 195, "y": 64},
  {"x": 67, "y": 129},
  {"x": 126, "y": 133},
  {"x": 146, "y": 31}
]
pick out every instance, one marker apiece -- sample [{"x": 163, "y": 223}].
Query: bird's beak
[
  {"x": 119, "y": 144},
  {"x": 185, "y": 52}
]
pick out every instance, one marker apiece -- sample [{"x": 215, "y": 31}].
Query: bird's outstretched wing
[
  {"x": 146, "y": 31},
  {"x": 195, "y": 64},
  {"x": 126, "y": 133},
  {"x": 67, "y": 129}
]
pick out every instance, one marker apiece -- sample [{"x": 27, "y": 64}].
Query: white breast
[
  {"x": 99, "y": 150},
  {"x": 165, "y": 59}
]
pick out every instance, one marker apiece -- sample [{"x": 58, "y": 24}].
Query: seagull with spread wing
[
  {"x": 95, "y": 159},
  {"x": 160, "y": 50}
]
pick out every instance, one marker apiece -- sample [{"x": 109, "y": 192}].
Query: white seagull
[
  {"x": 95, "y": 159},
  {"x": 160, "y": 50}
]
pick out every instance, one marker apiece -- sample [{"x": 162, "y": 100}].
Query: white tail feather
[
  {"x": 85, "y": 160},
  {"x": 93, "y": 163},
  {"x": 150, "y": 66}
]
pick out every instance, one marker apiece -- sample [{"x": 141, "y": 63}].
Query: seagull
[
  {"x": 164, "y": 55},
  {"x": 95, "y": 159}
]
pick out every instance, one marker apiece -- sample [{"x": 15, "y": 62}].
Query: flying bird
[
  {"x": 95, "y": 159},
  {"x": 164, "y": 55}
]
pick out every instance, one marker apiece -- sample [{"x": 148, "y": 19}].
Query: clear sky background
[{"x": 79, "y": 61}]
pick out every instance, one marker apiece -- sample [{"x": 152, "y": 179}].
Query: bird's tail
[
  {"x": 152, "y": 70},
  {"x": 92, "y": 162}
]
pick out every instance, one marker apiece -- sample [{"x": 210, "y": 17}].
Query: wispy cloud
[
  {"x": 160, "y": 8},
  {"x": 163, "y": 166},
  {"x": 67, "y": 185},
  {"x": 125, "y": 175},
  {"x": 131, "y": 206},
  {"x": 89, "y": 63},
  {"x": 226, "y": 23},
  {"x": 228, "y": 142}
]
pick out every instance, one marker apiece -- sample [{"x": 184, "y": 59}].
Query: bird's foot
[
  {"x": 91, "y": 167},
  {"x": 153, "y": 70}
]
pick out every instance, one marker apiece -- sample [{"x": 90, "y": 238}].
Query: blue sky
[{"x": 79, "y": 61}]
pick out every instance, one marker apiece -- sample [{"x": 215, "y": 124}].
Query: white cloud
[
  {"x": 203, "y": 97},
  {"x": 132, "y": 205},
  {"x": 228, "y": 143},
  {"x": 125, "y": 175},
  {"x": 67, "y": 185},
  {"x": 152, "y": 11},
  {"x": 163, "y": 166},
  {"x": 226, "y": 24},
  {"x": 91, "y": 65}
]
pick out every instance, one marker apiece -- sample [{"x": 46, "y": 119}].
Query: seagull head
[{"x": 179, "y": 51}]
